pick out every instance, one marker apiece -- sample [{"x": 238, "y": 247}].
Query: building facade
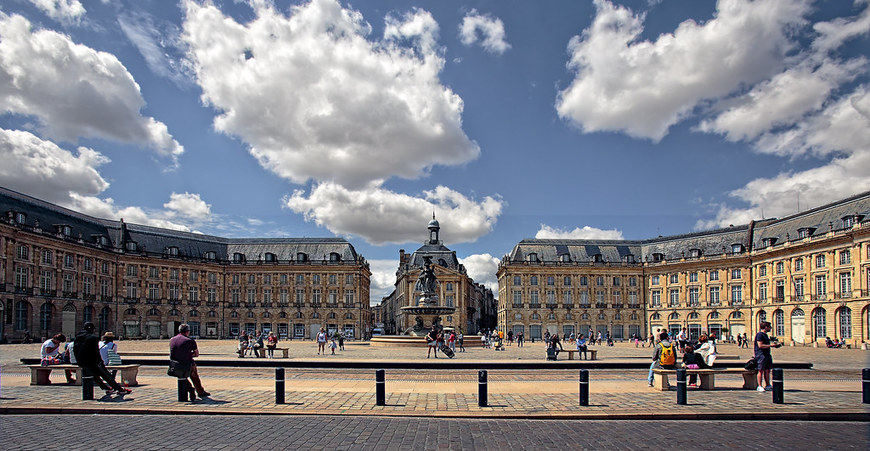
[
  {"x": 808, "y": 274},
  {"x": 60, "y": 268},
  {"x": 474, "y": 303}
]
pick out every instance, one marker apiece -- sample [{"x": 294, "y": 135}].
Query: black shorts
[{"x": 765, "y": 362}]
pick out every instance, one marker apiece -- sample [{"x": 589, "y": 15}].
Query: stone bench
[
  {"x": 39, "y": 375},
  {"x": 261, "y": 352},
  {"x": 593, "y": 353},
  {"x": 707, "y": 377}
]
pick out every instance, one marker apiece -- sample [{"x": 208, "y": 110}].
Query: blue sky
[{"x": 508, "y": 119}]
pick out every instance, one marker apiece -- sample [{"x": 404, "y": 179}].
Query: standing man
[
  {"x": 87, "y": 353},
  {"x": 183, "y": 349},
  {"x": 321, "y": 341},
  {"x": 762, "y": 356}
]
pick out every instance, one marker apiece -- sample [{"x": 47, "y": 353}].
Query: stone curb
[{"x": 828, "y": 415}]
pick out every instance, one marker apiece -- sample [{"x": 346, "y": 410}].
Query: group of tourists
[
  {"x": 436, "y": 338},
  {"x": 702, "y": 354}
]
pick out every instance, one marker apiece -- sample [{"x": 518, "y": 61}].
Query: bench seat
[
  {"x": 39, "y": 375},
  {"x": 707, "y": 377},
  {"x": 261, "y": 352},
  {"x": 593, "y": 353}
]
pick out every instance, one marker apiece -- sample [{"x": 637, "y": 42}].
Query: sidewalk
[{"x": 435, "y": 394}]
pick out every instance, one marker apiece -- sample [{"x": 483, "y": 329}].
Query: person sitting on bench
[
  {"x": 693, "y": 361},
  {"x": 51, "y": 355}
]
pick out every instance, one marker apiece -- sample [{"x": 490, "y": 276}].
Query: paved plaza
[{"x": 215, "y": 432}]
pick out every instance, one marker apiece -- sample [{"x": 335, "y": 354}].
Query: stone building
[
  {"x": 60, "y": 268},
  {"x": 808, "y": 274},
  {"x": 474, "y": 303}
]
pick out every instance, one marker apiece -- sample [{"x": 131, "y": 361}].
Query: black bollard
[
  {"x": 279, "y": 385},
  {"x": 584, "y": 387},
  {"x": 682, "y": 388},
  {"x": 183, "y": 389},
  {"x": 482, "y": 400},
  {"x": 87, "y": 387},
  {"x": 380, "y": 388},
  {"x": 777, "y": 386},
  {"x": 865, "y": 377}
]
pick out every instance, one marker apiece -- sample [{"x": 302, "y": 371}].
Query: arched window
[
  {"x": 617, "y": 316},
  {"x": 348, "y": 316},
  {"x": 601, "y": 316},
  {"x": 105, "y": 316},
  {"x": 779, "y": 323},
  {"x": 153, "y": 312},
  {"x": 193, "y": 313},
  {"x": 762, "y": 317},
  {"x": 298, "y": 314},
  {"x": 131, "y": 311},
  {"x": 535, "y": 316},
  {"x": 736, "y": 315},
  {"x": 656, "y": 316},
  {"x": 331, "y": 315},
  {"x": 315, "y": 315},
  {"x": 518, "y": 316},
  {"x": 584, "y": 316},
  {"x": 234, "y": 314},
  {"x": 674, "y": 315},
  {"x": 820, "y": 328},
  {"x": 845, "y": 319},
  {"x": 45, "y": 316},
  {"x": 212, "y": 314},
  {"x": 250, "y": 314},
  {"x": 267, "y": 315},
  {"x": 282, "y": 315},
  {"x": 551, "y": 316},
  {"x": 174, "y": 312}
]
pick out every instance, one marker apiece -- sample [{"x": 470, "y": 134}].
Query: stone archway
[{"x": 68, "y": 320}]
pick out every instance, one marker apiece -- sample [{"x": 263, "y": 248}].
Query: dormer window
[
  {"x": 767, "y": 242},
  {"x": 658, "y": 257},
  {"x": 736, "y": 248},
  {"x": 238, "y": 257},
  {"x": 101, "y": 240},
  {"x": 172, "y": 251},
  {"x": 628, "y": 258},
  {"x": 270, "y": 257},
  {"x": 805, "y": 232},
  {"x": 695, "y": 253},
  {"x": 533, "y": 258},
  {"x": 565, "y": 258},
  {"x": 848, "y": 222},
  {"x": 20, "y": 218},
  {"x": 334, "y": 257},
  {"x": 301, "y": 257},
  {"x": 131, "y": 246},
  {"x": 596, "y": 258},
  {"x": 64, "y": 230},
  {"x": 211, "y": 255}
]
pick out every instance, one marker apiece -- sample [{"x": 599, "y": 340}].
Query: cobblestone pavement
[{"x": 219, "y": 432}]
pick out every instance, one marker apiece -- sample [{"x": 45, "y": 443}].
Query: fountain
[{"x": 427, "y": 312}]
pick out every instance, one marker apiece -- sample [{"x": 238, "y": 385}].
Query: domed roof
[{"x": 434, "y": 224}]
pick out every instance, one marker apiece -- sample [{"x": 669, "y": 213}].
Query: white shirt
[
  {"x": 49, "y": 349},
  {"x": 104, "y": 350}
]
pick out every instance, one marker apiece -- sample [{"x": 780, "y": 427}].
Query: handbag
[
  {"x": 178, "y": 369},
  {"x": 751, "y": 364}
]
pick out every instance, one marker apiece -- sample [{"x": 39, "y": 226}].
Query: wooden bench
[
  {"x": 39, "y": 375},
  {"x": 261, "y": 352},
  {"x": 593, "y": 353},
  {"x": 706, "y": 377}
]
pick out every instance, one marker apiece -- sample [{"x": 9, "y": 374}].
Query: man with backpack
[{"x": 665, "y": 356}]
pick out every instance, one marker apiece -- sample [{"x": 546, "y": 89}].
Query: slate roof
[
  {"x": 819, "y": 221},
  {"x": 155, "y": 240}
]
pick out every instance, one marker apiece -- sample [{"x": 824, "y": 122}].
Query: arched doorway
[
  {"x": 844, "y": 321},
  {"x": 798, "y": 326},
  {"x": 820, "y": 326},
  {"x": 68, "y": 320}
]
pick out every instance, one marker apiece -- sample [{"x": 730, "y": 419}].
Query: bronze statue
[{"x": 426, "y": 283}]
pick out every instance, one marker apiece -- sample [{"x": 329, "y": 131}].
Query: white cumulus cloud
[
  {"x": 482, "y": 268},
  {"x": 579, "y": 233},
  {"x": 660, "y": 82},
  {"x": 383, "y": 279},
  {"x": 74, "y": 91},
  {"x": 316, "y": 97},
  {"x": 188, "y": 205},
  {"x": 485, "y": 28},
  {"x": 64, "y": 11},
  {"x": 382, "y": 216}
]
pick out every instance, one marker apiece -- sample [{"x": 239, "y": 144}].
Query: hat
[
  {"x": 109, "y": 335},
  {"x": 89, "y": 327}
]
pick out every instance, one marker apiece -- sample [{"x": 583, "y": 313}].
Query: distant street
[{"x": 218, "y": 432}]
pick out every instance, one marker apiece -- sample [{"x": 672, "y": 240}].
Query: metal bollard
[
  {"x": 279, "y": 385},
  {"x": 682, "y": 388},
  {"x": 865, "y": 378},
  {"x": 87, "y": 387},
  {"x": 183, "y": 389},
  {"x": 584, "y": 387},
  {"x": 482, "y": 400},
  {"x": 380, "y": 388},
  {"x": 777, "y": 386}
]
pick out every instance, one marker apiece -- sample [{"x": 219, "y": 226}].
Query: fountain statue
[{"x": 427, "y": 312}]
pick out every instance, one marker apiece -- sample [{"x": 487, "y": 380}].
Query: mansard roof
[
  {"x": 817, "y": 221},
  {"x": 155, "y": 240}
]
